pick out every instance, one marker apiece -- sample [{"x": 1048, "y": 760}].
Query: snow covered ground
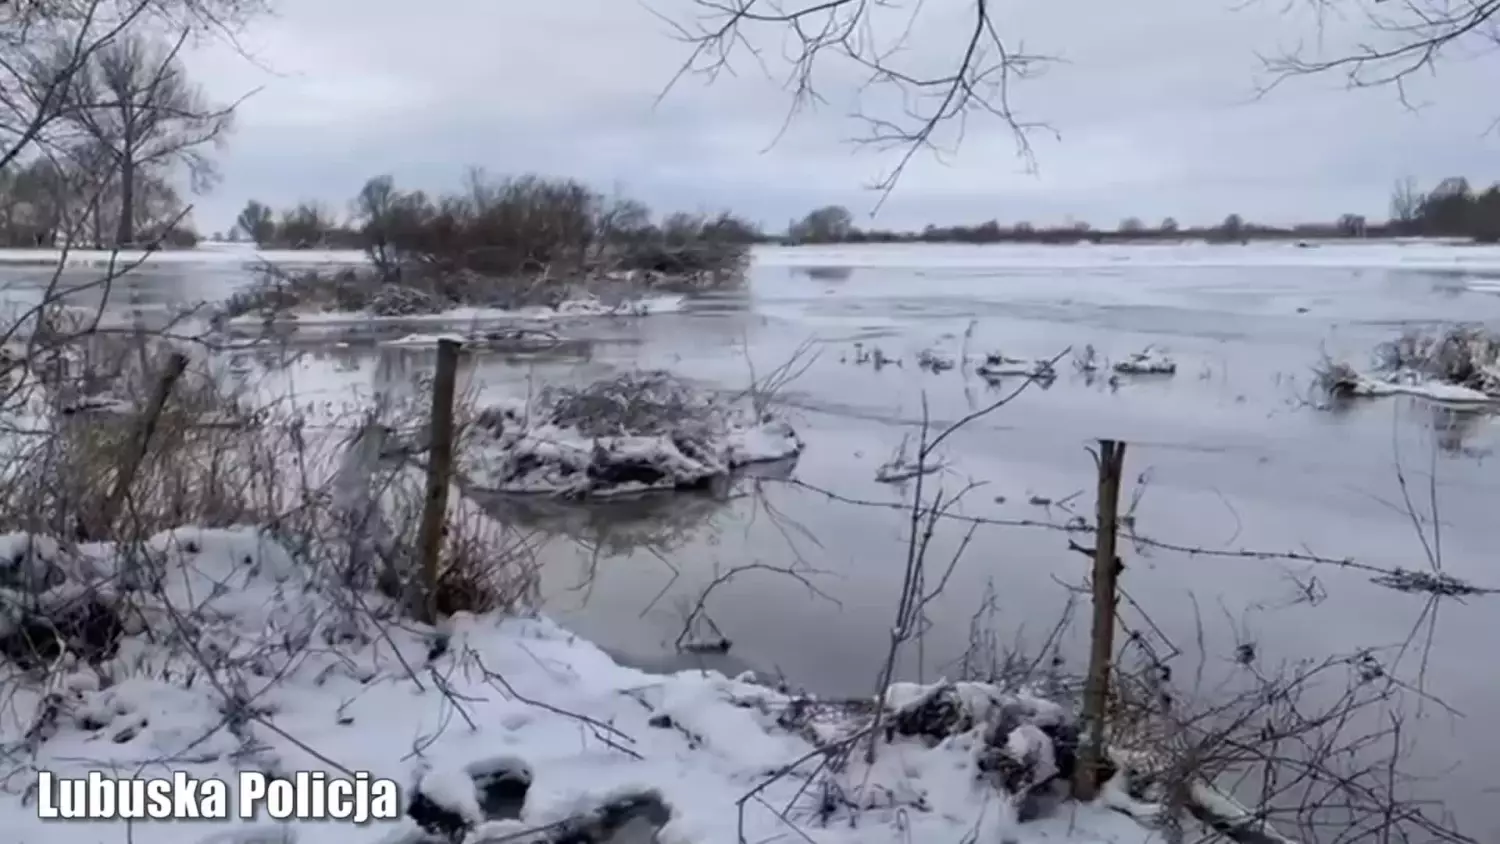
[{"x": 239, "y": 657}]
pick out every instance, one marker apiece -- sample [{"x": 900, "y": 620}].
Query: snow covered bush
[
  {"x": 634, "y": 432},
  {"x": 1458, "y": 365},
  {"x": 1459, "y": 355},
  {"x": 1148, "y": 361}
]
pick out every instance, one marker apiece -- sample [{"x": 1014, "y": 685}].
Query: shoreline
[{"x": 524, "y": 701}]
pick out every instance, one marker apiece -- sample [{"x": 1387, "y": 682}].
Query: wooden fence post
[
  {"x": 176, "y": 365},
  {"x": 1102, "y": 634},
  {"x": 439, "y": 474}
]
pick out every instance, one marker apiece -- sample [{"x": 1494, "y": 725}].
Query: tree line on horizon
[{"x": 1451, "y": 209}]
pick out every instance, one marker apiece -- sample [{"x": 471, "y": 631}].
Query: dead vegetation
[
  {"x": 508, "y": 243},
  {"x": 1461, "y": 355},
  {"x": 1464, "y": 357},
  {"x": 92, "y": 455},
  {"x": 279, "y": 293}
]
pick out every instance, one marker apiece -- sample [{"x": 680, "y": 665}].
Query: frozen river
[{"x": 1225, "y": 455}]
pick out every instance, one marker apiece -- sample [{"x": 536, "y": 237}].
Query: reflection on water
[
  {"x": 656, "y": 523},
  {"x": 825, "y": 273},
  {"x": 1458, "y": 431}
]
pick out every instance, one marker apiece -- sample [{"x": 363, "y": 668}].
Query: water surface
[{"x": 1226, "y": 455}]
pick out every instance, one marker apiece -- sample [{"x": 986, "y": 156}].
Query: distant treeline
[
  {"x": 518, "y": 225},
  {"x": 1452, "y": 209}
]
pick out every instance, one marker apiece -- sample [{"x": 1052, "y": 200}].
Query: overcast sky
[{"x": 1154, "y": 103}]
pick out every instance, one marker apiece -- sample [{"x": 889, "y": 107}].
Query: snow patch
[
  {"x": 997, "y": 365},
  {"x": 1407, "y": 383},
  {"x": 1148, "y": 361}
]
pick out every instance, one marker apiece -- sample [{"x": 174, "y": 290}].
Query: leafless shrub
[
  {"x": 1464, "y": 355},
  {"x": 276, "y": 290},
  {"x": 230, "y": 450},
  {"x": 765, "y": 389},
  {"x": 647, "y": 403},
  {"x": 1335, "y": 378},
  {"x": 560, "y": 231},
  {"x": 1313, "y": 744}
]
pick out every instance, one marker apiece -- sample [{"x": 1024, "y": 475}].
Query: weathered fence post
[
  {"x": 176, "y": 365},
  {"x": 1102, "y": 634},
  {"x": 439, "y": 474}
]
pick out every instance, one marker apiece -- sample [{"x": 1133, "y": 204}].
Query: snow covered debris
[
  {"x": 515, "y": 340},
  {"x": 1458, "y": 365},
  {"x": 1343, "y": 381},
  {"x": 1148, "y": 361},
  {"x": 1411, "y": 384},
  {"x": 635, "y": 432},
  {"x": 997, "y": 365},
  {"x": 935, "y": 361},
  {"x": 248, "y": 660},
  {"x": 900, "y": 469}
]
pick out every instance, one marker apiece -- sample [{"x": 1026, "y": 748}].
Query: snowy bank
[
  {"x": 636, "y": 432},
  {"x": 237, "y": 656}
]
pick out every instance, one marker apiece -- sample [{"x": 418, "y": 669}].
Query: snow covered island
[
  {"x": 637, "y": 432},
  {"x": 1457, "y": 366},
  {"x": 352, "y": 296}
]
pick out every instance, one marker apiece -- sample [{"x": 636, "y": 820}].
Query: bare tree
[
  {"x": 1405, "y": 37},
  {"x": 983, "y": 64},
  {"x": 134, "y": 99},
  {"x": 1406, "y": 202},
  {"x": 45, "y": 46},
  {"x": 830, "y": 224},
  {"x": 257, "y": 221},
  {"x": 871, "y": 38}
]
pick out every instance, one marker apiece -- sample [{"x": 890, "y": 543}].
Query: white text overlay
[{"x": 305, "y": 795}]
